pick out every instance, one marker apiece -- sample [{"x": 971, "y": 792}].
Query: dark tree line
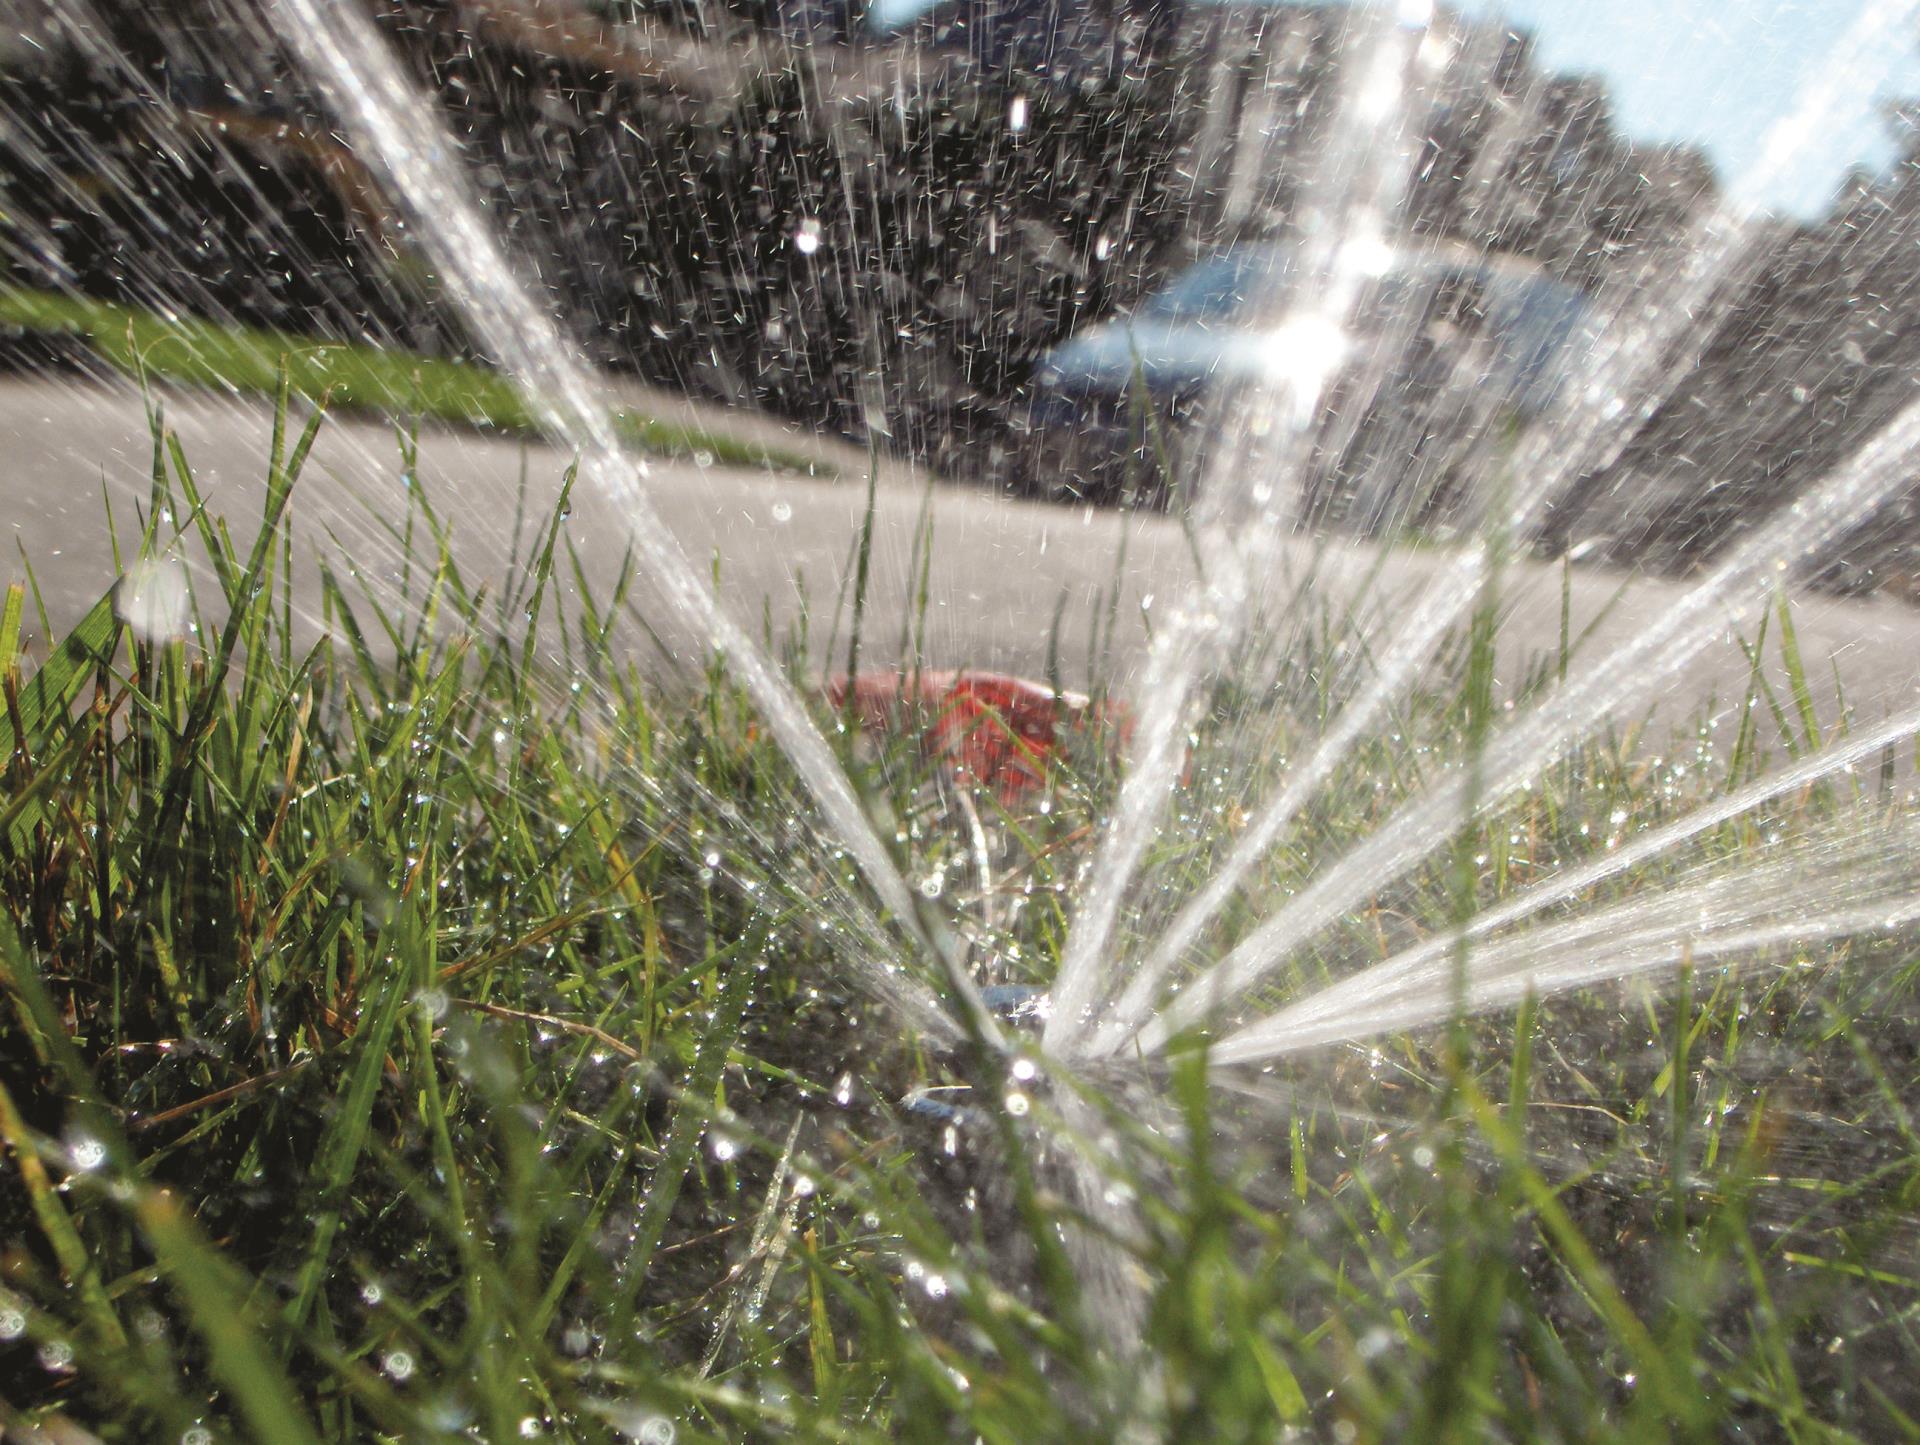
[{"x": 767, "y": 202}]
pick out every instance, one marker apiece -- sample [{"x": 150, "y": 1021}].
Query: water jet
[{"x": 1318, "y": 819}]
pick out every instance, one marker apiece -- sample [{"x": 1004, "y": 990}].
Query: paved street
[{"x": 1002, "y": 571}]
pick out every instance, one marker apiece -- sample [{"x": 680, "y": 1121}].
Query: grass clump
[{"x": 408, "y": 1044}]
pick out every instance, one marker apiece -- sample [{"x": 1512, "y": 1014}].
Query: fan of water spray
[
  {"x": 1352, "y": 180},
  {"x": 1322, "y": 418}
]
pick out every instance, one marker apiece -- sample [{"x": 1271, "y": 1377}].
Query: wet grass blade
[
  {"x": 336, "y": 1160},
  {"x": 214, "y": 1292},
  {"x": 44, "y": 699},
  {"x": 50, "y": 1213},
  {"x": 691, "y": 1117},
  {"x": 217, "y": 1297},
  {"x": 862, "y": 565},
  {"x": 11, "y": 611},
  {"x": 35, "y": 716},
  {"x": 1797, "y": 683}
]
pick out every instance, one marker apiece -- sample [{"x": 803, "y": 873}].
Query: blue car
[{"x": 1122, "y": 407}]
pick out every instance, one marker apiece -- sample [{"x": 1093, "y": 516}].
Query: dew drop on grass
[
  {"x": 84, "y": 1152},
  {"x": 639, "y": 1425}
]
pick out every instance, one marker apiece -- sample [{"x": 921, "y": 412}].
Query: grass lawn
[
  {"x": 193, "y": 352},
  {"x": 433, "y": 1041}
]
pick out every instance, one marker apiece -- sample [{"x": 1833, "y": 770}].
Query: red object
[{"x": 998, "y": 730}]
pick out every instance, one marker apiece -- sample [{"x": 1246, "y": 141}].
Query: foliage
[{"x": 402, "y": 1042}]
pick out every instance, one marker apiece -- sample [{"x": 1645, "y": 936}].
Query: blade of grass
[
  {"x": 1797, "y": 684},
  {"x": 10, "y": 614},
  {"x": 51, "y": 690},
  {"x": 691, "y": 1116},
  {"x": 56, "y": 1225}
]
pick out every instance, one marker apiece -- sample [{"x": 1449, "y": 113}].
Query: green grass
[
  {"x": 193, "y": 352},
  {"x": 401, "y": 1042}
]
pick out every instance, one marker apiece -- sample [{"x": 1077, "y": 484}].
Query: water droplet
[
  {"x": 84, "y": 1152},
  {"x": 643, "y": 1427},
  {"x": 153, "y": 601}
]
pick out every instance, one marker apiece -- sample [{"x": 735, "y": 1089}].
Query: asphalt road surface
[{"x": 781, "y": 545}]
